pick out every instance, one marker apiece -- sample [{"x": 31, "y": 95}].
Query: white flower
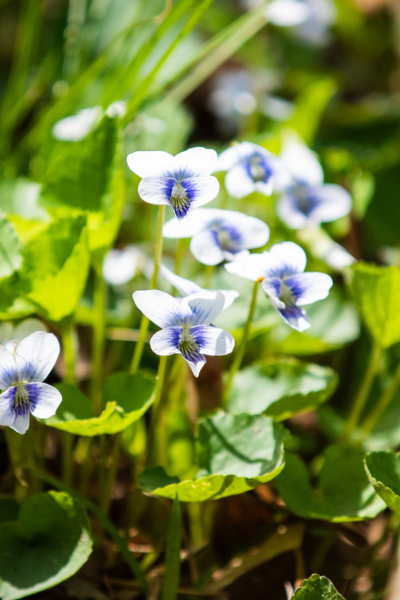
[
  {"x": 280, "y": 272},
  {"x": 21, "y": 376},
  {"x": 250, "y": 168},
  {"x": 183, "y": 181},
  {"x": 186, "y": 287},
  {"x": 307, "y": 201},
  {"x": 186, "y": 325},
  {"x": 77, "y": 127},
  {"x": 11, "y": 335},
  {"x": 120, "y": 266},
  {"x": 219, "y": 235}
]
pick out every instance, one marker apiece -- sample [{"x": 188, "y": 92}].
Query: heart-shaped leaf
[
  {"x": 376, "y": 291},
  {"x": 281, "y": 389},
  {"x": 236, "y": 454},
  {"x": 383, "y": 470},
  {"x": 317, "y": 588},
  {"x": 344, "y": 492},
  {"x": 127, "y": 399},
  {"x": 48, "y": 543}
]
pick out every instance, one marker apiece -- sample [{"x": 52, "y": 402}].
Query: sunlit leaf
[
  {"x": 317, "y": 588},
  {"x": 10, "y": 252},
  {"x": 383, "y": 470}
]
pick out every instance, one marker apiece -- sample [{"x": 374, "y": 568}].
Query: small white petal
[
  {"x": 8, "y": 369},
  {"x": 202, "y": 308},
  {"x": 196, "y": 367},
  {"x": 166, "y": 341},
  {"x": 47, "y": 397},
  {"x": 288, "y": 211},
  {"x": 21, "y": 424},
  {"x": 251, "y": 267},
  {"x": 309, "y": 287},
  {"x": 213, "y": 341},
  {"x": 156, "y": 190},
  {"x": 195, "y": 162},
  {"x": 335, "y": 202},
  {"x": 238, "y": 182},
  {"x": 289, "y": 256},
  {"x": 229, "y": 158},
  {"x": 120, "y": 266},
  {"x": 296, "y": 317},
  {"x": 230, "y": 297},
  {"x": 7, "y": 415},
  {"x": 287, "y": 13},
  {"x": 159, "y": 307},
  {"x": 77, "y": 127},
  {"x": 151, "y": 163},
  {"x": 36, "y": 355},
  {"x": 201, "y": 190},
  {"x": 302, "y": 163},
  {"x": 27, "y": 327},
  {"x": 184, "y": 286},
  {"x": 205, "y": 248}
]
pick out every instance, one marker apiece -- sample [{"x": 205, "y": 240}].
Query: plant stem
[
  {"x": 363, "y": 392},
  {"x": 105, "y": 500},
  {"x": 144, "y": 325},
  {"x": 155, "y": 412},
  {"x": 69, "y": 377},
  {"x": 237, "y": 361},
  {"x": 381, "y": 405},
  {"x": 99, "y": 326}
]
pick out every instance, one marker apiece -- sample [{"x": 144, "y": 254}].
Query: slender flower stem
[
  {"x": 363, "y": 392},
  {"x": 105, "y": 500},
  {"x": 99, "y": 326},
  {"x": 69, "y": 377},
  {"x": 155, "y": 412},
  {"x": 381, "y": 405},
  {"x": 237, "y": 361},
  {"x": 144, "y": 325}
]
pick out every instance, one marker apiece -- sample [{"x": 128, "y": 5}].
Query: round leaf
[
  {"x": 317, "y": 588},
  {"x": 48, "y": 543}
]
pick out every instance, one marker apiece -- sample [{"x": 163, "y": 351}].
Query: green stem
[
  {"x": 99, "y": 326},
  {"x": 68, "y": 344},
  {"x": 237, "y": 361},
  {"x": 105, "y": 501},
  {"x": 155, "y": 412},
  {"x": 363, "y": 392},
  {"x": 144, "y": 325},
  {"x": 381, "y": 405},
  {"x": 104, "y": 520}
]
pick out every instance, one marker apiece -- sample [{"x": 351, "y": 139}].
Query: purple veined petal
[
  {"x": 166, "y": 341},
  {"x": 156, "y": 190},
  {"x": 238, "y": 182},
  {"x": 44, "y": 399},
  {"x": 254, "y": 233},
  {"x": 287, "y": 259},
  {"x": 302, "y": 163},
  {"x": 21, "y": 423},
  {"x": 201, "y": 190},
  {"x": 205, "y": 248},
  {"x": 309, "y": 287},
  {"x": 252, "y": 266},
  {"x": 273, "y": 286},
  {"x": 289, "y": 212},
  {"x": 202, "y": 308},
  {"x": 213, "y": 341},
  {"x": 159, "y": 307},
  {"x": 36, "y": 355},
  {"x": 190, "y": 351},
  {"x": 184, "y": 286},
  {"x": 8, "y": 369},
  {"x": 334, "y": 202},
  {"x": 296, "y": 317},
  {"x": 151, "y": 163},
  {"x": 7, "y": 415},
  {"x": 195, "y": 162}
]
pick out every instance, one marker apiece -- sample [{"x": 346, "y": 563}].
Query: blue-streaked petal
[
  {"x": 8, "y": 369},
  {"x": 166, "y": 341},
  {"x": 189, "y": 349},
  {"x": 309, "y": 287},
  {"x": 156, "y": 190},
  {"x": 21, "y": 424},
  {"x": 296, "y": 317},
  {"x": 7, "y": 415},
  {"x": 334, "y": 202},
  {"x": 272, "y": 286},
  {"x": 159, "y": 307},
  {"x": 184, "y": 286},
  {"x": 254, "y": 232},
  {"x": 195, "y": 162},
  {"x": 302, "y": 163},
  {"x": 238, "y": 182},
  {"x": 213, "y": 341},
  {"x": 36, "y": 355},
  {"x": 151, "y": 163},
  {"x": 205, "y": 248},
  {"x": 287, "y": 13},
  {"x": 201, "y": 190},
  {"x": 288, "y": 210},
  {"x": 44, "y": 399},
  {"x": 202, "y": 308},
  {"x": 286, "y": 259}
]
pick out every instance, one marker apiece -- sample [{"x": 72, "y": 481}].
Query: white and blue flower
[
  {"x": 186, "y": 287},
  {"x": 182, "y": 182},
  {"x": 186, "y": 325},
  {"x": 219, "y": 235},
  {"x": 250, "y": 168},
  {"x": 307, "y": 201},
  {"x": 280, "y": 272},
  {"x": 22, "y": 373}
]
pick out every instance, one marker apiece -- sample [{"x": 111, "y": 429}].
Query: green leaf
[
  {"x": 173, "y": 553},
  {"x": 376, "y": 291},
  {"x": 55, "y": 268},
  {"x": 344, "y": 492},
  {"x": 48, "y": 543},
  {"x": 20, "y": 197},
  {"x": 10, "y": 254},
  {"x": 383, "y": 470},
  {"x": 281, "y": 389},
  {"x": 127, "y": 398},
  {"x": 9, "y": 509},
  {"x": 317, "y": 588},
  {"x": 236, "y": 452}
]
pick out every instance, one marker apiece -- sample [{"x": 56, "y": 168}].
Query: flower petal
[
  {"x": 36, "y": 355},
  {"x": 21, "y": 424},
  {"x": 8, "y": 369},
  {"x": 156, "y": 190},
  {"x": 77, "y": 127},
  {"x": 288, "y": 258},
  {"x": 272, "y": 286},
  {"x": 254, "y": 232},
  {"x": 202, "y": 308},
  {"x": 44, "y": 399},
  {"x": 204, "y": 247},
  {"x": 151, "y": 163},
  {"x": 287, "y": 13},
  {"x": 197, "y": 366},
  {"x": 335, "y": 202},
  {"x": 7, "y": 415},
  {"x": 166, "y": 341},
  {"x": 195, "y": 162},
  {"x": 302, "y": 163},
  {"x": 296, "y": 317},
  {"x": 201, "y": 190},
  {"x": 159, "y": 307},
  {"x": 120, "y": 266},
  {"x": 289, "y": 212},
  {"x": 309, "y": 287},
  {"x": 238, "y": 182},
  {"x": 252, "y": 267},
  {"x": 213, "y": 341},
  {"x": 184, "y": 286}
]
